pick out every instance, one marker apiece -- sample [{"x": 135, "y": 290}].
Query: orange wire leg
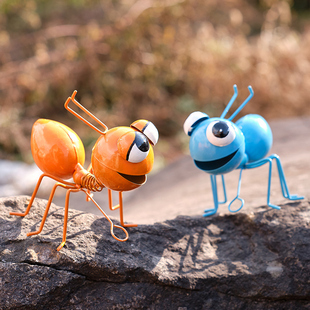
[
  {"x": 47, "y": 208},
  {"x": 32, "y": 198},
  {"x": 36, "y": 190},
  {"x": 120, "y": 207},
  {"x": 121, "y": 215},
  {"x": 64, "y": 234},
  {"x": 111, "y": 202},
  {"x": 106, "y": 216}
]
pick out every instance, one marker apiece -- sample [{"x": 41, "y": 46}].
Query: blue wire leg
[
  {"x": 212, "y": 211},
  {"x": 284, "y": 188},
  {"x": 237, "y": 197}
]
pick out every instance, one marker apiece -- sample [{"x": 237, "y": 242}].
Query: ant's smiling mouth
[
  {"x": 136, "y": 179},
  {"x": 214, "y": 164}
]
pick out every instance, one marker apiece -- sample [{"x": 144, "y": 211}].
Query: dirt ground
[{"x": 183, "y": 189}]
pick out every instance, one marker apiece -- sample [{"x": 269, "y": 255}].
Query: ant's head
[
  {"x": 217, "y": 145},
  {"x": 123, "y": 156}
]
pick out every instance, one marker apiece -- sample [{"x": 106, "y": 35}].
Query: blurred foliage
[{"x": 158, "y": 60}]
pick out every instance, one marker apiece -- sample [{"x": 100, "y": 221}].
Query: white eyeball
[
  {"x": 220, "y": 133},
  {"x": 151, "y": 132},
  {"x": 147, "y": 128},
  {"x": 133, "y": 146},
  {"x": 192, "y": 120},
  {"x": 139, "y": 149}
]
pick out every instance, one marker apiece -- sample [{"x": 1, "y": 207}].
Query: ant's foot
[
  {"x": 115, "y": 207},
  {"x": 295, "y": 197},
  {"x": 129, "y": 225},
  {"x": 61, "y": 246},
  {"x": 18, "y": 214},
  {"x": 33, "y": 233},
  {"x": 274, "y": 206},
  {"x": 209, "y": 212},
  {"x": 241, "y": 201}
]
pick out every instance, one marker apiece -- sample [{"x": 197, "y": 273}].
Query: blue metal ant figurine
[{"x": 218, "y": 146}]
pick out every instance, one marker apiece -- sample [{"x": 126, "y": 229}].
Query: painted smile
[
  {"x": 136, "y": 179},
  {"x": 214, "y": 164}
]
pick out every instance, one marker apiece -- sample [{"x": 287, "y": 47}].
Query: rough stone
[{"x": 230, "y": 261}]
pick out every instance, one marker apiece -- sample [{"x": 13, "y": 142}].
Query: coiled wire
[{"x": 89, "y": 182}]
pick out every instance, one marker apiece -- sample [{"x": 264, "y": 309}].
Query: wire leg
[
  {"x": 121, "y": 215},
  {"x": 120, "y": 207},
  {"x": 269, "y": 160},
  {"x": 32, "y": 198},
  {"x": 106, "y": 216},
  {"x": 261, "y": 163},
  {"x": 237, "y": 197},
  {"x": 46, "y": 210},
  {"x": 284, "y": 187},
  {"x": 69, "y": 184},
  {"x": 224, "y": 191},
  {"x": 209, "y": 212},
  {"x": 111, "y": 201},
  {"x": 64, "y": 234}
]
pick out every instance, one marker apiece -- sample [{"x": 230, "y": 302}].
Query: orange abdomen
[{"x": 56, "y": 149}]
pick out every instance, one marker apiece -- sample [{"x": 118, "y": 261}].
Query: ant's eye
[
  {"x": 133, "y": 146},
  {"x": 220, "y": 133},
  {"x": 147, "y": 128}
]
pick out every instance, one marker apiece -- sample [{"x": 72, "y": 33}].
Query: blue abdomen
[{"x": 257, "y": 134}]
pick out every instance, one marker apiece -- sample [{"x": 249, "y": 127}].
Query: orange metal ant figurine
[{"x": 121, "y": 158}]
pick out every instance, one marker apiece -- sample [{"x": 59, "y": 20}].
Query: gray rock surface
[{"x": 230, "y": 261}]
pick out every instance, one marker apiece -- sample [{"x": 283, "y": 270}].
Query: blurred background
[{"x": 158, "y": 60}]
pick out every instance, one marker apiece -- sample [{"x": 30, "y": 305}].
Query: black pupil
[
  {"x": 220, "y": 129},
  {"x": 141, "y": 142}
]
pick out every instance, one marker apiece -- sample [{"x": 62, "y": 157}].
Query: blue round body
[
  {"x": 257, "y": 134},
  {"x": 217, "y": 146}
]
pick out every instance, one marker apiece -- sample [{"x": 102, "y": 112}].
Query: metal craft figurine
[
  {"x": 218, "y": 146},
  {"x": 121, "y": 158}
]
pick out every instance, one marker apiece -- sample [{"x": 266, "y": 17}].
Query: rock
[{"x": 237, "y": 261}]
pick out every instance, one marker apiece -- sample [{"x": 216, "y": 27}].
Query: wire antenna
[
  {"x": 230, "y": 103},
  {"x": 244, "y": 103},
  {"x": 72, "y": 98}
]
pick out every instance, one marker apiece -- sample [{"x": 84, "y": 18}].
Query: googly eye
[
  {"x": 220, "y": 133},
  {"x": 193, "y": 120},
  {"x": 148, "y": 129},
  {"x": 133, "y": 146}
]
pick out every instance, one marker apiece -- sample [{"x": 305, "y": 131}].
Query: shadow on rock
[{"x": 257, "y": 261}]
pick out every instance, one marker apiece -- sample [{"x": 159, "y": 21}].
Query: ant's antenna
[
  {"x": 233, "y": 98},
  {"x": 244, "y": 103},
  {"x": 72, "y": 98}
]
